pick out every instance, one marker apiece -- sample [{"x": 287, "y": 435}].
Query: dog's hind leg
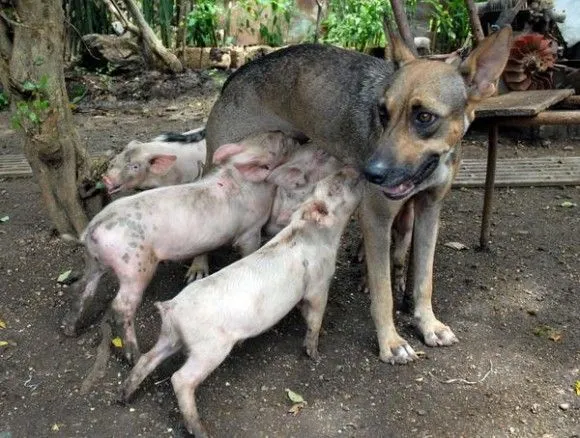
[
  {"x": 427, "y": 210},
  {"x": 377, "y": 216}
]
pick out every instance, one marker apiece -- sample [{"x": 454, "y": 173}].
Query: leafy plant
[
  {"x": 271, "y": 31},
  {"x": 202, "y": 23},
  {"x": 31, "y": 112},
  {"x": 4, "y": 101},
  {"x": 359, "y": 24},
  {"x": 450, "y": 24}
]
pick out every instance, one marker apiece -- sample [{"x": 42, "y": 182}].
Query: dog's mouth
[{"x": 405, "y": 184}]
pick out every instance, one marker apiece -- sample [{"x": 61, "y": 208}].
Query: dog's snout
[{"x": 375, "y": 171}]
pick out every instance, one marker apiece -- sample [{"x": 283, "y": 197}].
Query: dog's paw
[
  {"x": 438, "y": 334},
  {"x": 398, "y": 351}
]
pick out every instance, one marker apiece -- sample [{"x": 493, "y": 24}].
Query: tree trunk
[
  {"x": 150, "y": 39},
  {"x": 34, "y": 76}
]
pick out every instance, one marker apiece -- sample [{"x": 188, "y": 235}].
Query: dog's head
[{"x": 427, "y": 110}]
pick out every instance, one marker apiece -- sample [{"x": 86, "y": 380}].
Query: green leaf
[
  {"x": 64, "y": 276},
  {"x": 294, "y": 396},
  {"x": 28, "y": 86}
]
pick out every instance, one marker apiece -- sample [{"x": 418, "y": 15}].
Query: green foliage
[
  {"x": 202, "y": 23},
  {"x": 4, "y": 101},
  {"x": 449, "y": 24},
  {"x": 359, "y": 24},
  {"x": 271, "y": 29},
  {"x": 83, "y": 17},
  {"x": 31, "y": 112}
]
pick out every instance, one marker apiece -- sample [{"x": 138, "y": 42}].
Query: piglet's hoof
[{"x": 70, "y": 325}]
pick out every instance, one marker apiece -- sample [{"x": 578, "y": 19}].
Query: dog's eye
[
  {"x": 425, "y": 118},
  {"x": 383, "y": 113}
]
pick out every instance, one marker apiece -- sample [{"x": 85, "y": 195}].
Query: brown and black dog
[{"x": 401, "y": 122}]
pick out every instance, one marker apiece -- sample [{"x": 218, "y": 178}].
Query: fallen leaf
[
  {"x": 548, "y": 332},
  {"x": 4, "y": 218},
  {"x": 2, "y": 324},
  {"x": 294, "y": 396},
  {"x": 456, "y": 245},
  {"x": 117, "y": 342},
  {"x": 55, "y": 427},
  {"x": 296, "y": 408},
  {"x": 568, "y": 204},
  {"x": 577, "y": 387},
  {"x": 3, "y": 343},
  {"x": 64, "y": 276}
]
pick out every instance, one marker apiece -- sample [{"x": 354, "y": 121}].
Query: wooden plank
[
  {"x": 520, "y": 103},
  {"x": 520, "y": 172}
]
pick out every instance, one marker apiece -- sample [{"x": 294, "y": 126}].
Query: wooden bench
[{"x": 519, "y": 108}]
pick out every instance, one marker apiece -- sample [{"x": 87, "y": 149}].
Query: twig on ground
[{"x": 465, "y": 381}]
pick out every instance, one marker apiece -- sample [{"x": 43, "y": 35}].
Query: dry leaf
[
  {"x": 3, "y": 343},
  {"x": 296, "y": 408},
  {"x": 456, "y": 245},
  {"x": 55, "y": 427},
  {"x": 577, "y": 387},
  {"x": 2, "y": 324},
  {"x": 568, "y": 204}
]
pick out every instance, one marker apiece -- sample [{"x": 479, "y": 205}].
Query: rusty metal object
[{"x": 531, "y": 63}]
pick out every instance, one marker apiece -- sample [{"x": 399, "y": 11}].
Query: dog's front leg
[
  {"x": 427, "y": 210},
  {"x": 377, "y": 216}
]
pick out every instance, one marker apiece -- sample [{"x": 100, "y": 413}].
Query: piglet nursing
[{"x": 248, "y": 297}]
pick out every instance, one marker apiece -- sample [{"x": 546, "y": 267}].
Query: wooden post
[{"x": 474, "y": 19}]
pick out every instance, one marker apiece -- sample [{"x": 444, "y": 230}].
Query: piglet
[
  {"x": 168, "y": 159},
  {"x": 133, "y": 234},
  {"x": 295, "y": 182},
  {"x": 208, "y": 317}
]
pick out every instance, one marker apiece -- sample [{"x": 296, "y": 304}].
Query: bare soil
[{"x": 514, "y": 308}]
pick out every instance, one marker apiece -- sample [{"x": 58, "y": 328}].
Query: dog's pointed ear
[
  {"x": 400, "y": 53},
  {"x": 485, "y": 64}
]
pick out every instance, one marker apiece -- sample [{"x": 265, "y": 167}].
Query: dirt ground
[{"x": 514, "y": 308}]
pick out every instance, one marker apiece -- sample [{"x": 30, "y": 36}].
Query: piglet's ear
[
  {"x": 226, "y": 151},
  {"x": 317, "y": 212},
  {"x": 288, "y": 177},
  {"x": 254, "y": 171},
  {"x": 160, "y": 164}
]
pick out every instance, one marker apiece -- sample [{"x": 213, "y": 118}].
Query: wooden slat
[
  {"x": 520, "y": 103},
  {"x": 518, "y": 172}
]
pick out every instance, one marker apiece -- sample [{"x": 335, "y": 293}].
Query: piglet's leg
[
  {"x": 313, "y": 308},
  {"x": 249, "y": 242},
  {"x": 133, "y": 280},
  {"x": 164, "y": 348},
  {"x": 199, "y": 269},
  {"x": 86, "y": 288},
  {"x": 203, "y": 359}
]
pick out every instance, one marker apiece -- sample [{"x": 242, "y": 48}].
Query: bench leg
[{"x": 489, "y": 183}]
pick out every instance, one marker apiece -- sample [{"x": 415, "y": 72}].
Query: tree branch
[
  {"x": 118, "y": 14},
  {"x": 403, "y": 25}
]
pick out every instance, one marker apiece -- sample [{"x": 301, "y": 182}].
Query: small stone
[
  {"x": 421, "y": 412},
  {"x": 568, "y": 148},
  {"x": 546, "y": 143},
  {"x": 535, "y": 408},
  {"x": 564, "y": 406}
]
